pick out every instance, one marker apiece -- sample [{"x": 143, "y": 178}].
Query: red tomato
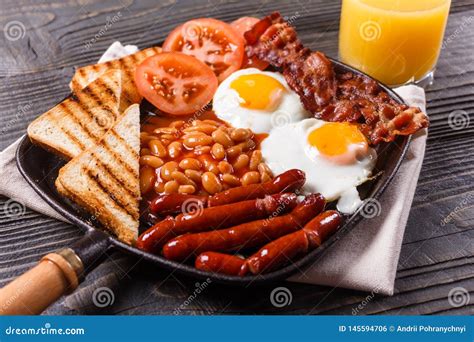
[
  {"x": 212, "y": 42},
  {"x": 175, "y": 83},
  {"x": 243, "y": 25}
]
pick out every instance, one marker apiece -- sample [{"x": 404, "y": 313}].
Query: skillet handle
[
  {"x": 35, "y": 290},
  {"x": 56, "y": 274}
]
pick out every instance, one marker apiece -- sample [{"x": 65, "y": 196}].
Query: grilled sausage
[
  {"x": 251, "y": 234},
  {"x": 213, "y": 218},
  {"x": 173, "y": 203},
  {"x": 221, "y": 263},
  {"x": 286, "y": 248},
  {"x": 276, "y": 253},
  {"x": 288, "y": 181}
]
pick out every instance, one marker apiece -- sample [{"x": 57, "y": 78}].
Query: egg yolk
[
  {"x": 258, "y": 91},
  {"x": 336, "y": 139}
]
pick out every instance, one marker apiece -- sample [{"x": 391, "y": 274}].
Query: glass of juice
[{"x": 394, "y": 41}]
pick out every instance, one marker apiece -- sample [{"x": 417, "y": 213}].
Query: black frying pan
[{"x": 40, "y": 168}]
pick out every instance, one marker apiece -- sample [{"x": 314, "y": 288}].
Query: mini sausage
[
  {"x": 172, "y": 203},
  {"x": 221, "y": 263},
  {"x": 251, "y": 234},
  {"x": 321, "y": 227},
  {"x": 286, "y": 248},
  {"x": 213, "y": 218},
  {"x": 288, "y": 181},
  {"x": 276, "y": 253}
]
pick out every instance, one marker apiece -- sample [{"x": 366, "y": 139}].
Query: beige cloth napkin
[{"x": 365, "y": 259}]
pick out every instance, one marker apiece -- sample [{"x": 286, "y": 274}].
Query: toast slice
[
  {"x": 104, "y": 179},
  {"x": 79, "y": 122},
  {"x": 127, "y": 65}
]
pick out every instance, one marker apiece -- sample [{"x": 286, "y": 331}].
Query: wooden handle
[{"x": 55, "y": 275}]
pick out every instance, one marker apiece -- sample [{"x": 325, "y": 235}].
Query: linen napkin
[{"x": 365, "y": 259}]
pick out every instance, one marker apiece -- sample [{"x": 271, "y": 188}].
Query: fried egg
[
  {"x": 335, "y": 156},
  {"x": 259, "y": 100}
]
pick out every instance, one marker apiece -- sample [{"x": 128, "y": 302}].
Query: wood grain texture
[{"x": 438, "y": 250}]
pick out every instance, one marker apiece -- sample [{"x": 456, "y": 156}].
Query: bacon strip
[{"x": 326, "y": 92}]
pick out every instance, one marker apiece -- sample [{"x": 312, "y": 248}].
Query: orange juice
[{"x": 394, "y": 41}]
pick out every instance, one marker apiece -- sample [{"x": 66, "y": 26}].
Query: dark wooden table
[{"x": 36, "y": 68}]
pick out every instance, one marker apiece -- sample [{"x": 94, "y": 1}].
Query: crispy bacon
[
  {"x": 328, "y": 93},
  {"x": 275, "y": 41}
]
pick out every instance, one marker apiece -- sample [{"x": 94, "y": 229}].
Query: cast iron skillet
[{"x": 40, "y": 169}]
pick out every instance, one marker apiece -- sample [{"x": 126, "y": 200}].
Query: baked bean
[
  {"x": 201, "y": 150},
  {"x": 191, "y": 133},
  {"x": 247, "y": 145},
  {"x": 210, "y": 165},
  {"x": 153, "y": 161},
  {"x": 159, "y": 187},
  {"x": 144, "y": 141},
  {"x": 222, "y": 138},
  {"x": 166, "y": 130},
  {"x": 265, "y": 177},
  {"x": 255, "y": 159},
  {"x": 167, "y": 169},
  {"x": 191, "y": 141},
  {"x": 263, "y": 168},
  {"x": 174, "y": 149},
  {"x": 211, "y": 122},
  {"x": 240, "y": 134},
  {"x": 251, "y": 177},
  {"x": 234, "y": 151},
  {"x": 190, "y": 163},
  {"x": 181, "y": 178},
  {"x": 171, "y": 186},
  {"x": 157, "y": 148},
  {"x": 186, "y": 189},
  {"x": 169, "y": 137},
  {"x": 211, "y": 183},
  {"x": 166, "y": 142},
  {"x": 147, "y": 179},
  {"x": 231, "y": 179},
  {"x": 145, "y": 151},
  {"x": 194, "y": 175},
  {"x": 218, "y": 151},
  {"x": 241, "y": 162},
  {"x": 204, "y": 128},
  {"x": 225, "y": 167},
  {"x": 177, "y": 124},
  {"x": 213, "y": 168},
  {"x": 143, "y": 137}
]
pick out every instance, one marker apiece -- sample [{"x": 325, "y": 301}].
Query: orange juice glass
[{"x": 394, "y": 41}]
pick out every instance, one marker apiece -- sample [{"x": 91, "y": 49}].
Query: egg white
[
  {"x": 226, "y": 105},
  {"x": 287, "y": 147}
]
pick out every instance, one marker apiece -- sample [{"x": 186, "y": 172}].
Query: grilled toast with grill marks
[
  {"x": 104, "y": 179},
  {"x": 127, "y": 65},
  {"x": 81, "y": 120}
]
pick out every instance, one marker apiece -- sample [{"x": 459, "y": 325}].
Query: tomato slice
[
  {"x": 243, "y": 25},
  {"x": 176, "y": 83},
  {"x": 211, "y": 41}
]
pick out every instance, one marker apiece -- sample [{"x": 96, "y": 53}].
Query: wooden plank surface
[{"x": 436, "y": 257}]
